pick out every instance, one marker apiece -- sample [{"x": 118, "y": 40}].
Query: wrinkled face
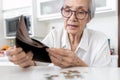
[{"x": 76, "y": 15}]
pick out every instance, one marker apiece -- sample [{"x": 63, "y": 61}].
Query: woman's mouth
[{"x": 70, "y": 26}]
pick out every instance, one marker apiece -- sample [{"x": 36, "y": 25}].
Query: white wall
[
  {"x": 10, "y": 9},
  {"x": 108, "y": 24},
  {"x": 40, "y": 28},
  {"x": 12, "y": 4},
  {"x": 2, "y": 39}
]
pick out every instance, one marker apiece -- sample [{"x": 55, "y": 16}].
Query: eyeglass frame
[{"x": 86, "y": 12}]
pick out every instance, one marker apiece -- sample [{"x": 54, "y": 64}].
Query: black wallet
[{"x": 24, "y": 41}]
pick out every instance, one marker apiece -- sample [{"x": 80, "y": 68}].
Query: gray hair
[{"x": 92, "y": 7}]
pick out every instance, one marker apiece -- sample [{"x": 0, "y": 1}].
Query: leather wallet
[{"x": 27, "y": 43}]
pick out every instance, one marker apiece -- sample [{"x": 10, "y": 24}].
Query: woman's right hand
[{"x": 19, "y": 57}]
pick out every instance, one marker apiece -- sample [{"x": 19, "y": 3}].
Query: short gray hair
[{"x": 92, "y": 7}]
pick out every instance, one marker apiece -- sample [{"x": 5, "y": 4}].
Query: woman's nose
[{"x": 73, "y": 17}]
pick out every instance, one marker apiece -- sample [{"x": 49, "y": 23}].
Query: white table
[
  {"x": 45, "y": 73},
  {"x": 5, "y": 62}
]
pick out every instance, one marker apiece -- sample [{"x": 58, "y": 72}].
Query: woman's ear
[{"x": 89, "y": 18}]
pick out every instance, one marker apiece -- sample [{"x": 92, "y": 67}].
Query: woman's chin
[{"x": 72, "y": 31}]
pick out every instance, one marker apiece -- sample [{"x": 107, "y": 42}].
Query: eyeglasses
[{"x": 79, "y": 14}]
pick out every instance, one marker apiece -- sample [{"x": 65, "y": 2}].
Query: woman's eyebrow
[
  {"x": 80, "y": 7},
  {"x": 66, "y": 6}
]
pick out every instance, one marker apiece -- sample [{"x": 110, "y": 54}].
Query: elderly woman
[{"x": 73, "y": 46}]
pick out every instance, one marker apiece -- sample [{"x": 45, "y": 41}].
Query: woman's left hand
[{"x": 64, "y": 58}]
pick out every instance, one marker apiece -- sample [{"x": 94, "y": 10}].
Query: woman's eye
[
  {"x": 67, "y": 10},
  {"x": 81, "y": 12}
]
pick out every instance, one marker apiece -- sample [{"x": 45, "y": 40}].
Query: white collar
[
  {"x": 65, "y": 40},
  {"x": 84, "y": 40},
  {"x": 82, "y": 45}
]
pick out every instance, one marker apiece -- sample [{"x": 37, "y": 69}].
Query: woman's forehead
[{"x": 77, "y": 3}]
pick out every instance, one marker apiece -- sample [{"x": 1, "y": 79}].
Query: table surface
[
  {"x": 5, "y": 62},
  {"x": 55, "y": 73}
]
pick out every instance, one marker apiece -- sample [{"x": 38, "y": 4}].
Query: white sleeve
[
  {"x": 49, "y": 40},
  {"x": 103, "y": 57}
]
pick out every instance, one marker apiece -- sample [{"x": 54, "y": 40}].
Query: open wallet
[{"x": 27, "y": 43}]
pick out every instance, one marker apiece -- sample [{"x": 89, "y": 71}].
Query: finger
[
  {"x": 18, "y": 62},
  {"x": 26, "y": 63},
  {"x": 8, "y": 52},
  {"x": 58, "y": 57},
  {"x": 59, "y": 63},
  {"x": 19, "y": 56},
  {"x": 51, "y": 53},
  {"x": 67, "y": 59},
  {"x": 65, "y": 65},
  {"x": 65, "y": 62},
  {"x": 23, "y": 59},
  {"x": 30, "y": 54},
  {"x": 14, "y": 51},
  {"x": 59, "y": 51},
  {"x": 55, "y": 61}
]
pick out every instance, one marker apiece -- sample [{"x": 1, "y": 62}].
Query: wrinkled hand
[
  {"x": 64, "y": 58},
  {"x": 19, "y": 57}
]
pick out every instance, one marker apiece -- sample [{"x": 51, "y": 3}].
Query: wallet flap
[{"x": 24, "y": 41}]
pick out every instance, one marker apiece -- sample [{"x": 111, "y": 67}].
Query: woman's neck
[{"x": 74, "y": 40}]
